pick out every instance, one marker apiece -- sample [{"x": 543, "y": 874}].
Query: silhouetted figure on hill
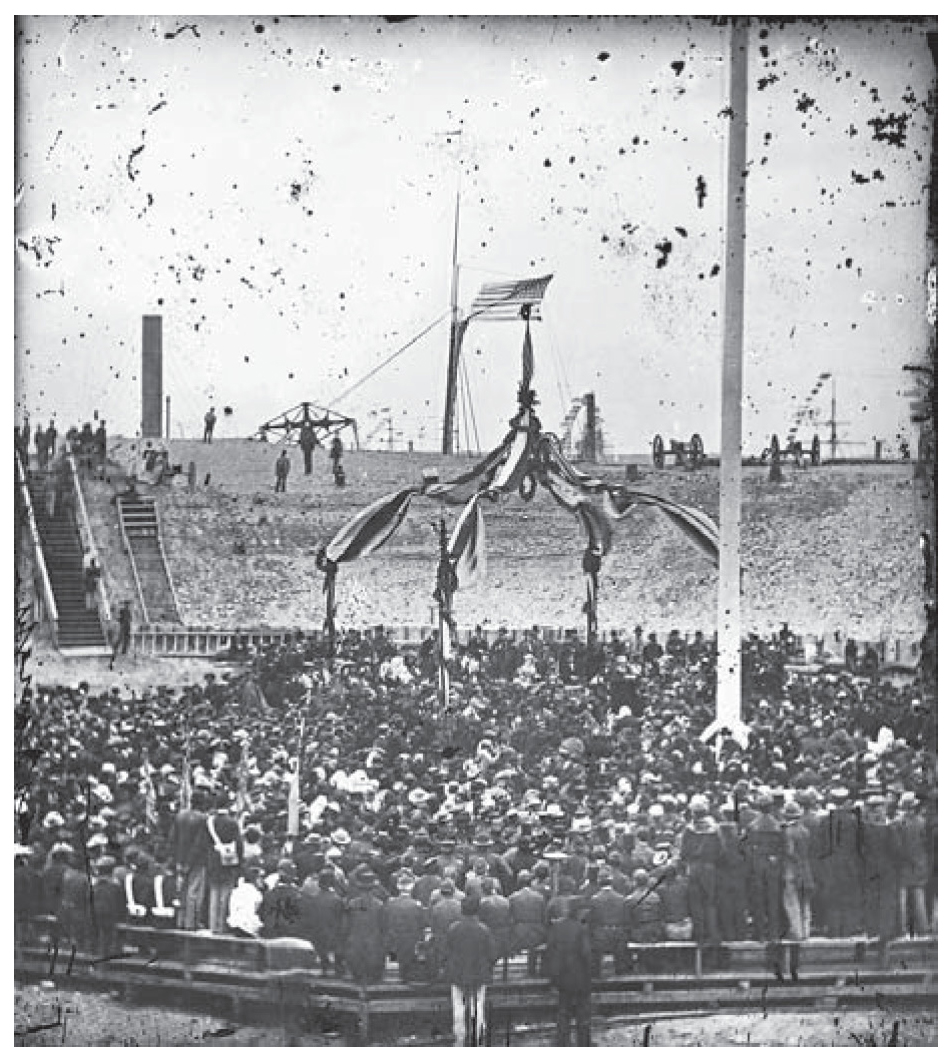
[
  {"x": 210, "y": 419},
  {"x": 123, "y": 633},
  {"x": 281, "y": 469},
  {"x": 308, "y": 442}
]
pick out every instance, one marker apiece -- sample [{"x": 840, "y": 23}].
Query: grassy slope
[{"x": 828, "y": 548}]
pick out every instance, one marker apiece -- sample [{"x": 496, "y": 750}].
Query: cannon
[
  {"x": 796, "y": 451},
  {"x": 690, "y": 455}
]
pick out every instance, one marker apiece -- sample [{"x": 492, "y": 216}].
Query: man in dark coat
[
  {"x": 494, "y": 912},
  {"x": 471, "y": 953},
  {"x": 322, "y": 916},
  {"x": 568, "y": 966},
  {"x": 700, "y": 848},
  {"x": 527, "y": 909},
  {"x": 108, "y": 907},
  {"x": 608, "y": 923},
  {"x": 281, "y": 904},
  {"x": 764, "y": 848},
  {"x": 444, "y": 911},
  {"x": 189, "y": 854},
  {"x": 224, "y": 855},
  {"x": 364, "y": 948},
  {"x": 405, "y": 925}
]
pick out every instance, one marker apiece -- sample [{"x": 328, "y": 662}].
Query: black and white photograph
[{"x": 475, "y": 531}]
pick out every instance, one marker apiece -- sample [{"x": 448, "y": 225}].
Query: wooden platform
[{"x": 275, "y": 982}]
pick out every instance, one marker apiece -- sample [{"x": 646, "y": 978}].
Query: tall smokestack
[{"x": 151, "y": 376}]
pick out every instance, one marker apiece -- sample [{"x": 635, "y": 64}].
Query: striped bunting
[
  {"x": 467, "y": 546},
  {"x": 371, "y": 528}
]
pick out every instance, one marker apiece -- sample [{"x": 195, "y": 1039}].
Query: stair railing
[
  {"x": 165, "y": 563},
  {"x": 132, "y": 560},
  {"x": 42, "y": 576},
  {"x": 88, "y": 543}
]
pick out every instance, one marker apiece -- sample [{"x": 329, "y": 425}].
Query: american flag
[{"x": 504, "y": 301}]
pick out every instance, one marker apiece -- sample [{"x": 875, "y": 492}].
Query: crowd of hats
[{"x": 535, "y": 751}]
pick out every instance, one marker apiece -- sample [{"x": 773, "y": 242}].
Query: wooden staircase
[
  {"x": 80, "y": 630},
  {"x": 139, "y": 522}
]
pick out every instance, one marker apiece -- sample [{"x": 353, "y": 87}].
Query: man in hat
[
  {"x": 527, "y": 908},
  {"x": 730, "y": 886},
  {"x": 495, "y": 913},
  {"x": 189, "y": 849},
  {"x": 404, "y": 926},
  {"x": 608, "y": 924},
  {"x": 912, "y": 844},
  {"x": 224, "y": 853},
  {"x": 364, "y": 928},
  {"x": 322, "y": 917},
  {"x": 643, "y": 909},
  {"x": 797, "y": 881},
  {"x": 880, "y": 874},
  {"x": 444, "y": 911},
  {"x": 568, "y": 965},
  {"x": 842, "y": 856},
  {"x": 281, "y": 904},
  {"x": 700, "y": 848},
  {"x": 470, "y": 956},
  {"x": 764, "y": 850},
  {"x": 108, "y": 907}
]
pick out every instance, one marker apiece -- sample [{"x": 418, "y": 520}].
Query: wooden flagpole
[{"x": 729, "y": 632}]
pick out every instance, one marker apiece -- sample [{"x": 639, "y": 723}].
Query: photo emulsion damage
[{"x": 475, "y": 531}]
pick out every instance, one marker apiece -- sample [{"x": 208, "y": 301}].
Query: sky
[{"x": 281, "y": 190}]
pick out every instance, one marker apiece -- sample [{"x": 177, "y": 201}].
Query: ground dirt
[
  {"x": 828, "y": 548},
  {"x": 56, "y": 1017}
]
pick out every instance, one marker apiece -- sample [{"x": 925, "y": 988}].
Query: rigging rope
[{"x": 363, "y": 380}]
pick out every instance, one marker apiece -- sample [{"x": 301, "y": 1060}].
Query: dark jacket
[
  {"x": 568, "y": 957},
  {"x": 470, "y": 953}
]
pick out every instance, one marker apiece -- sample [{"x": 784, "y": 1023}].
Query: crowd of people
[
  {"x": 331, "y": 801},
  {"x": 86, "y": 444}
]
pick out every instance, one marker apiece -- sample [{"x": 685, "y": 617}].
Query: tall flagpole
[
  {"x": 456, "y": 332},
  {"x": 729, "y": 631}
]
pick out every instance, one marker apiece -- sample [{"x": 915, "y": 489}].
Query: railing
[
  {"x": 165, "y": 561},
  {"x": 46, "y": 598},
  {"x": 132, "y": 560},
  {"x": 210, "y": 640},
  {"x": 87, "y": 542}
]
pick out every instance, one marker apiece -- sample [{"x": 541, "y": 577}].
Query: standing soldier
[{"x": 210, "y": 420}]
